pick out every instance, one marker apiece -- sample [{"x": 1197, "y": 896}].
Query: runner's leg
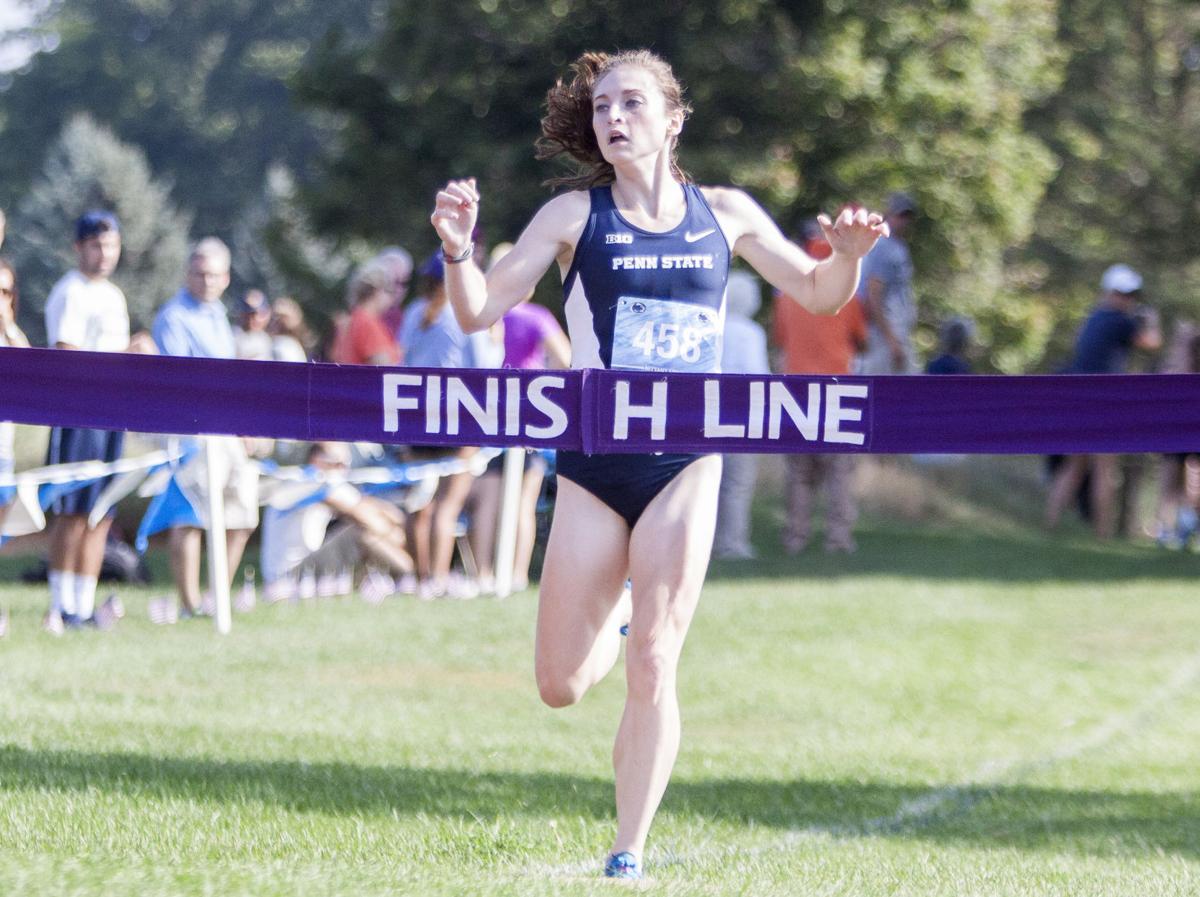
[
  {"x": 578, "y": 625},
  {"x": 669, "y": 554}
]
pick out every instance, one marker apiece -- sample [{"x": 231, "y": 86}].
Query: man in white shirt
[{"x": 85, "y": 311}]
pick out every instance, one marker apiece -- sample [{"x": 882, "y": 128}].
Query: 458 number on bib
[
  {"x": 663, "y": 342},
  {"x": 665, "y": 335}
]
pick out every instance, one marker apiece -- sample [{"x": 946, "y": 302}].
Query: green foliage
[
  {"x": 275, "y": 245},
  {"x": 1043, "y": 139},
  {"x": 200, "y": 87},
  {"x": 1124, "y": 129},
  {"x": 88, "y": 167},
  {"x": 808, "y": 109}
]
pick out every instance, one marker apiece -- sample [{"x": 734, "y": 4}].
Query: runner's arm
[
  {"x": 480, "y": 301},
  {"x": 821, "y": 287}
]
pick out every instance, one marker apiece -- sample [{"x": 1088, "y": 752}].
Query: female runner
[{"x": 644, "y": 256}]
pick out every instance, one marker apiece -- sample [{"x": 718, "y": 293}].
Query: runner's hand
[
  {"x": 455, "y": 213},
  {"x": 854, "y": 232}
]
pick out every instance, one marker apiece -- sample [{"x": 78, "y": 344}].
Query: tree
[
  {"x": 1124, "y": 129},
  {"x": 202, "y": 88},
  {"x": 809, "y": 106},
  {"x": 89, "y": 168},
  {"x": 275, "y": 245}
]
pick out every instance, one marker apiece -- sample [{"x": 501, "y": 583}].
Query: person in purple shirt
[{"x": 533, "y": 340}]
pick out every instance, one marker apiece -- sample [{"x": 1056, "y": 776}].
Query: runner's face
[
  {"x": 98, "y": 255},
  {"x": 629, "y": 115}
]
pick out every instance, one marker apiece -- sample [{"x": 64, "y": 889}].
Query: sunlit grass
[{"x": 954, "y": 710}]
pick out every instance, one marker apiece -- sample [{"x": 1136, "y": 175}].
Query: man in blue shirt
[
  {"x": 193, "y": 323},
  {"x": 1114, "y": 328}
]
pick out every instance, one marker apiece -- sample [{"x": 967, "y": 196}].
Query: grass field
[{"x": 965, "y": 707}]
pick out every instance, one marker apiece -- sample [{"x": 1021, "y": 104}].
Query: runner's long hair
[{"x": 567, "y": 125}]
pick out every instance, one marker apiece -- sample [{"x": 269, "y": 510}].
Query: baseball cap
[
  {"x": 1120, "y": 279},
  {"x": 96, "y": 221},
  {"x": 434, "y": 268},
  {"x": 901, "y": 203}
]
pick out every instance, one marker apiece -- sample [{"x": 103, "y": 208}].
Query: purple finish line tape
[{"x": 603, "y": 411}]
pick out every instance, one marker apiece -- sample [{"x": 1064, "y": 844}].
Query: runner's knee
[
  {"x": 649, "y": 669},
  {"x": 557, "y": 690}
]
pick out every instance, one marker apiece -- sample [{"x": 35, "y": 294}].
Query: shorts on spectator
[
  {"x": 235, "y": 470},
  {"x": 71, "y": 444}
]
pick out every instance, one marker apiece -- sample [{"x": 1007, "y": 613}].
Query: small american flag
[
  {"x": 247, "y": 597},
  {"x": 163, "y": 611},
  {"x": 327, "y": 585},
  {"x": 376, "y": 587},
  {"x": 308, "y": 585},
  {"x": 115, "y": 605},
  {"x": 279, "y": 590},
  {"x": 106, "y": 613}
]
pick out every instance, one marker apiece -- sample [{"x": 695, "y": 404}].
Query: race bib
[{"x": 665, "y": 335}]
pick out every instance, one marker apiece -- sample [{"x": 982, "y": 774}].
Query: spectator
[
  {"x": 10, "y": 336},
  {"x": 1116, "y": 325},
  {"x": 533, "y": 340},
  {"x": 194, "y": 324},
  {"x": 85, "y": 310},
  {"x": 331, "y": 337},
  {"x": 953, "y": 342},
  {"x": 430, "y": 337},
  {"x": 398, "y": 265},
  {"x": 818, "y": 344},
  {"x": 291, "y": 340},
  {"x": 886, "y": 291},
  {"x": 251, "y": 340},
  {"x": 1178, "y": 513},
  {"x": 373, "y": 528},
  {"x": 365, "y": 339},
  {"x": 744, "y": 351}
]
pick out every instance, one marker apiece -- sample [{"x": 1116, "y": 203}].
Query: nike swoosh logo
[{"x": 692, "y": 238}]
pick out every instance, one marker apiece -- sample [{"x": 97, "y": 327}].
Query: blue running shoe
[{"x": 622, "y": 865}]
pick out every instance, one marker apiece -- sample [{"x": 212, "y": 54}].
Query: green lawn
[{"x": 958, "y": 709}]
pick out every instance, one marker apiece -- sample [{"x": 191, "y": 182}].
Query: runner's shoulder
[
  {"x": 730, "y": 200},
  {"x": 565, "y": 215}
]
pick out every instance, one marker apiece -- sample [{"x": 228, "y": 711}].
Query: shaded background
[{"x": 1043, "y": 139}]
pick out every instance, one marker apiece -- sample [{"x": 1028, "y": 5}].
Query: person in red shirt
[
  {"x": 365, "y": 338},
  {"x": 818, "y": 344}
]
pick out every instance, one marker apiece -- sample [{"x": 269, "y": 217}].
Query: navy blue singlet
[{"x": 640, "y": 300}]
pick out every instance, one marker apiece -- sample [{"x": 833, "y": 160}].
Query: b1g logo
[{"x": 618, "y": 238}]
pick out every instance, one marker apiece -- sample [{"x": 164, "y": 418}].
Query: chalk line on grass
[{"x": 947, "y": 801}]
